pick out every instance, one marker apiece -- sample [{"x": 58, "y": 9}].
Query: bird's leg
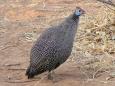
[{"x": 51, "y": 75}]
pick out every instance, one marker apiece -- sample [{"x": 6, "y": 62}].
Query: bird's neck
[
  {"x": 71, "y": 24},
  {"x": 75, "y": 17}
]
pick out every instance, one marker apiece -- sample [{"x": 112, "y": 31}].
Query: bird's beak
[{"x": 84, "y": 12}]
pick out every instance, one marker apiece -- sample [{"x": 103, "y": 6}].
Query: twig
[
  {"x": 97, "y": 72},
  {"x": 44, "y": 5},
  {"x": 6, "y": 47},
  {"x": 102, "y": 81},
  {"x": 18, "y": 81},
  {"x": 13, "y": 69},
  {"x": 12, "y": 64},
  {"x": 16, "y": 69},
  {"x": 83, "y": 72}
]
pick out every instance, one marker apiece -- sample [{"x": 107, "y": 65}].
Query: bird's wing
[{"x": 43, "y": 49}]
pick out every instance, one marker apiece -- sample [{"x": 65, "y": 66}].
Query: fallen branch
[{"x": 109, "y": 2}]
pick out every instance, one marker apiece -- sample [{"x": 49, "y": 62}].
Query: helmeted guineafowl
[{"x": 54, "y": 46}]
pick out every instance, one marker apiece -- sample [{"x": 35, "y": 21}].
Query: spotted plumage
[{"x": 54, "y": 46}]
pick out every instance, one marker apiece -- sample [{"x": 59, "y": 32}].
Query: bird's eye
[{"x": 79, "y": 10}]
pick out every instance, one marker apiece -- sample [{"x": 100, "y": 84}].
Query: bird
[{"x": 54, "y": 46}]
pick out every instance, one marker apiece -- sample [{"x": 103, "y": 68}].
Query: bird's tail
[{"x": 31, "y": 72}]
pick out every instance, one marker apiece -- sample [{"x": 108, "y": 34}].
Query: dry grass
[{"x": 96, "y": 43}]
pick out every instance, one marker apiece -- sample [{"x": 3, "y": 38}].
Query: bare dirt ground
[{"x": 21, "y": 22}]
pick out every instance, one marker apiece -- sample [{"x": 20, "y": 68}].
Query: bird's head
[{"x": 79, "y": 11}]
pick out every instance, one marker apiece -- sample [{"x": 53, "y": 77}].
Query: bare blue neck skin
[{"x": 77, "y": 13}]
